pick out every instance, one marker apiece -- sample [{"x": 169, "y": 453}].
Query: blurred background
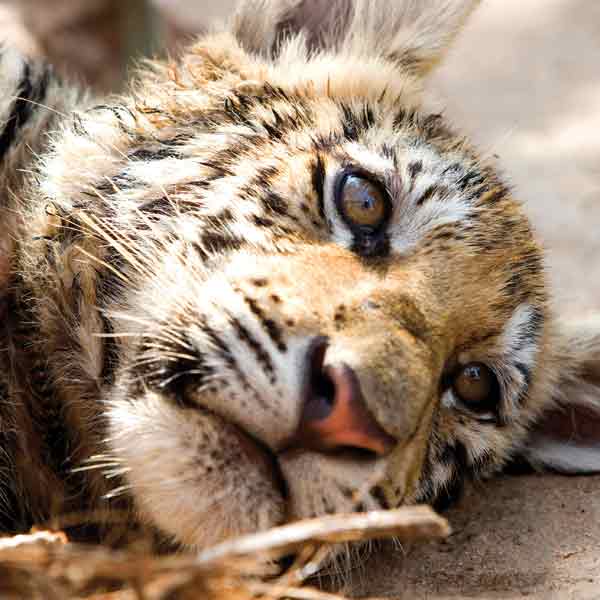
[{"x": 95, "y": 40}]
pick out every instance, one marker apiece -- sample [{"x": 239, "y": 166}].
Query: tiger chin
[{"x": 265, "y": 282}]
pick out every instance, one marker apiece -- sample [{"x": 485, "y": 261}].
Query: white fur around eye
[
  {"x": 516, "y": 341},
  {"x": 448, "y": 399},
  {"x": 372, "y": 162}
]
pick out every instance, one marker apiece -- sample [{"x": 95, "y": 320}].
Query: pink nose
[{"x": 335, "y": 415}]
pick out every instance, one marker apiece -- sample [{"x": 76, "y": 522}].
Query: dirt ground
[
  {"x": 524, "y": 82},
  {"x": 535, "y": 537}
]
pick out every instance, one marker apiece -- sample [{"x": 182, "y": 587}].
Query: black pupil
[{"x": 367, "y": 203}]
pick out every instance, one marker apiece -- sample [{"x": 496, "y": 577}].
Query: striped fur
[{"x": 169, "y": 256}]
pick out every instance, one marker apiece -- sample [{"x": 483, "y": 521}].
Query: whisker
[
  {"x": 120, "y": 335},
  {"x": 104, "y": 264}
]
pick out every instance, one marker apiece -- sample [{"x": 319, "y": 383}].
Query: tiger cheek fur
[{"x": 267, "y": 285}]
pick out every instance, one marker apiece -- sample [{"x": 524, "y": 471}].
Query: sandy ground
[
  {"x": 535, "y": 537},
  {"x": 524, "y": 82}
]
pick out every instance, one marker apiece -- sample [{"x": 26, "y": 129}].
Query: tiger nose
[{"x": 335, "y": 416}]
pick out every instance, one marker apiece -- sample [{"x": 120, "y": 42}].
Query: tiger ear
[
  {"x": 567, "y": 437},
  {"x": 414, "y": 34}
]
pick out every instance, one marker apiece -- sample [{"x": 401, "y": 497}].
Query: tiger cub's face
[{"x": 332, "y": 303}]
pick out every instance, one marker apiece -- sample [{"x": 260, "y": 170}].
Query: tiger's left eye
[{"x": 362, "y": 202}]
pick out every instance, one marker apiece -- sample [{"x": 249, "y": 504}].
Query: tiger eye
[
  {"x": 475, "y": 385},
  {"x": 362, "y": 202}
]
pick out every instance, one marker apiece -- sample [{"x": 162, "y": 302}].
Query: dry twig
[{"x": 45, "y": 565}]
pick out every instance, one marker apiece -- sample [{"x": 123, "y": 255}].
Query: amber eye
[
  {"x": 477, "y": 387},
  {"x": 362, "y": 202}
]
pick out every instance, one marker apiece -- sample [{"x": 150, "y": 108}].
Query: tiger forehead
[
  {"x": 275, "y": 127},
  {"x": 266, "y": 142}
]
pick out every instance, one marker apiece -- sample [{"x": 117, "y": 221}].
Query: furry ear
[
  {"x": 567, "y": 437},
  {"x": 413, "y": 34}
]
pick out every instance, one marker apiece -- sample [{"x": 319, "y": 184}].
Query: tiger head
[{"x": 323, "y": 298}]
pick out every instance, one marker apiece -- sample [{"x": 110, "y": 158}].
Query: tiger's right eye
[{"x": 477, "y": 387}]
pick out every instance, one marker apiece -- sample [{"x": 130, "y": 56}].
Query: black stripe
[
  {"x": 371, "y": 245},
  {"x": 117, "y": 111},
  {"x": 149, "y": 154},
  {"x": 275, "y": 333},
  {"x": 404, "y": 118},
  {"x": 262, "y": 180},
  {"x": 110, "y": 353},
  {"x": 161, "y": 206},
  {"x": 227, "y": 356},
  {"x": 259, "y": 185},
  {"x": 274, "y": 204},
  {"x": 450, "y": 494},
  {"x": 218, "y": 221},
  {"x": 262, "y": 221},
  {"x": 428, "y": 193},
  {"x": 228, "y": 157},
  {"x": 355, "y": 124},
  {"x": 30, "y": 93},
  {"x": 414, "y": 168},
  {"x": 349, "y": 124},
  {"x": 279, "y": 128},
  {"x": 261, "y": 354},
  {"x": 237, "y": 108},
  {"x": 271, "y": 328},
  {"x": 455, "y": 457},
  {"x": 214, "y": 243},
  {"x": 444, "y": 233},
  {"x": 318, "y": 181},
  {"x": 222, "y": 349},
  {"x": 378, "y": 493},
  {"x": 119, "y": 182},
  {"x": 514, "y": 284},
  {"x": 470, "y": 179}
]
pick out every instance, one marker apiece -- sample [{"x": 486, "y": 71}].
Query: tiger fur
[{"x": 171, "y": 258}]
